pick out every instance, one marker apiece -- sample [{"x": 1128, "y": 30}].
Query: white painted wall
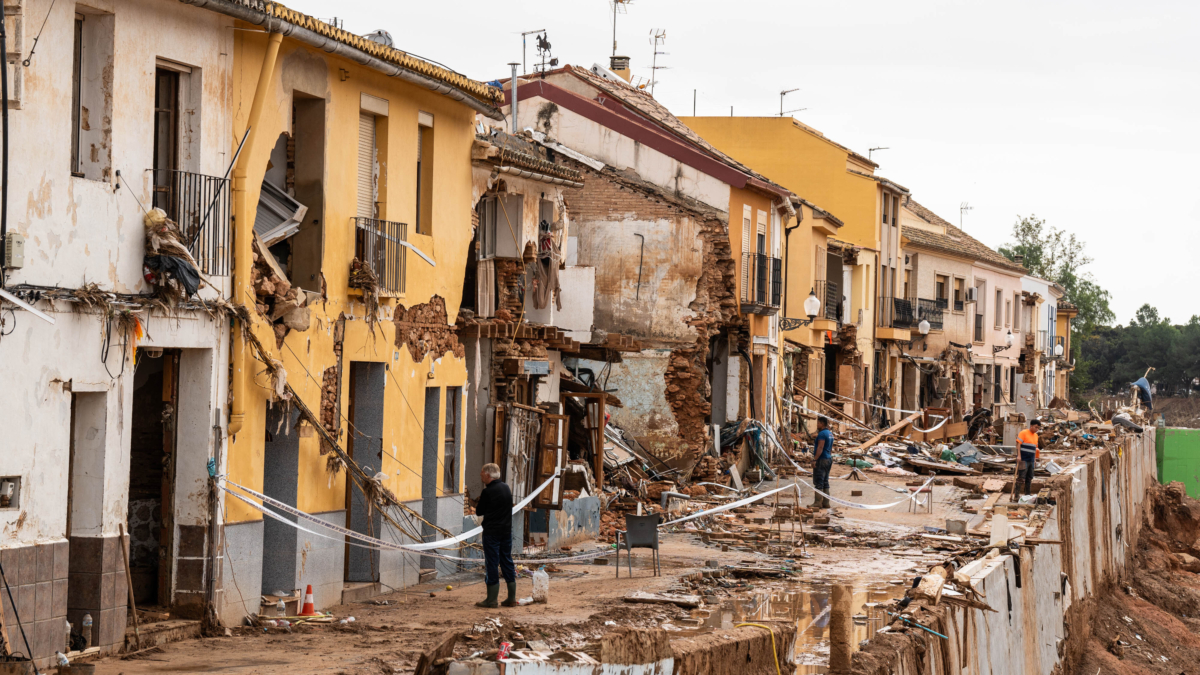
[
  {"x": 621, "y": 152},
  {"x": 79, "y": 230}
]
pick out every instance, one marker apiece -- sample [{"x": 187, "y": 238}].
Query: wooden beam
[{"x": 890, "y": 430}]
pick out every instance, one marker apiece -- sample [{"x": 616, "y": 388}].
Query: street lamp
[
  {"x": 1058, "y": 351},
  {"x": 923, "y": 328},
  {"x": 1008, "y": 342},
  {"x": 812, "y": 307}
]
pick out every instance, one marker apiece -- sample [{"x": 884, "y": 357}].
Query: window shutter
[
  {"x": 366, "y": 165},
  {"x": 746, "y": 251}
]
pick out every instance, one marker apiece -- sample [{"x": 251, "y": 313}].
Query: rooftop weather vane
[
  {"x": 524, "y": 34},
  {"x": 543, "y": 49}
]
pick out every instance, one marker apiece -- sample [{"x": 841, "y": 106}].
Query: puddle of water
[{"x": 832, "y": 619}]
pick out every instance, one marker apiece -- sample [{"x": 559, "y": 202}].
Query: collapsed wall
[{"x": 1041, "y": 600}]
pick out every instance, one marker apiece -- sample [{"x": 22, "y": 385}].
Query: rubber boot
[
  {"x": 493, "y": 593},
  {"x": 816, "y": 502},
  {"x": 512, "y": 594},
  {"x": 824, "y": 502}
]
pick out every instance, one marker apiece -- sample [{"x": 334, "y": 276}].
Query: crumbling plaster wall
[
  {"x": 684, "y": 298},
  {"x": 1042, "y": 599},
  {"x": 79, "y": 230},
  {"x": 39, "y": 393}
]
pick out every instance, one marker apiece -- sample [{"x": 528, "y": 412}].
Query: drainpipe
[
  {"x": 512, "y": 88},
  {"x": 243, "y": 214}
]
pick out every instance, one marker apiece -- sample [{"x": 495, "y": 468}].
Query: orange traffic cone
[{"x": 308, "y": 609}]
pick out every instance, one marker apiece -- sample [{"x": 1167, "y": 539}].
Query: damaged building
[
  {"x": 115, "y": 331},
  {"x": 686, "y": 244}
]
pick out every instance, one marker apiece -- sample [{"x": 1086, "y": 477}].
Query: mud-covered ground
[
  {"x": 1152, "y": 624},
  {"x": 585, "y": 600}
]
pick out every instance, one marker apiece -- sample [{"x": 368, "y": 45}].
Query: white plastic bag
[{"x": 541, "y": 586}]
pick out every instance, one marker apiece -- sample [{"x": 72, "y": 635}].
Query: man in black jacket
[{"x": 494, "y": 508}]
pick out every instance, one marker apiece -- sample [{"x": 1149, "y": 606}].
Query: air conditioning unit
[{"x": 973, "y": 294}]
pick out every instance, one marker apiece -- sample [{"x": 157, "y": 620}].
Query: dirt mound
[
  {"x": 1152, "y": 624},
  {"x": 1179, "y": 412}
]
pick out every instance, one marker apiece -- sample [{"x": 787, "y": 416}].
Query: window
[
  {"x": 91, "y": 97},
  {"x": 1008, "y": 313},
  {"x": 166, "y": 126},
  {"x": 959, "y": 300},
  {"x": 450, "y": 471},
  {"x": 943, "y": 287},
  {"x": 425, "y": 147},
  {"x": 999, "y": 306},
  {"x": 368, "y": 168},
  {"x": 1017, "y": 306},
  {"x": 499, "y": 219},
  {"x": 909, "y": 291}
]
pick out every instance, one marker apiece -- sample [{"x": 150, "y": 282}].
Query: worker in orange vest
[{"x": 1028, "y": 445}]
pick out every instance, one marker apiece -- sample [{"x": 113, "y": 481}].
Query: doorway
[
  {"x": 152, "y": 442},
  {"x": 281, "y": 464},
  {"x": 366, "y": 449}
]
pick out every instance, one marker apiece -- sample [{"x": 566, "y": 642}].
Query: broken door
[
  {"x": 551, "y": 459},
  {"x": 593, "y": 422}
]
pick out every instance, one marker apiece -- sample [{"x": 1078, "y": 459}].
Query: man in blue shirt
[{"x": 823, "y": 452}]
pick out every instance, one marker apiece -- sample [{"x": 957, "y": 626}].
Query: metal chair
[{"x": 639, "y": 532}]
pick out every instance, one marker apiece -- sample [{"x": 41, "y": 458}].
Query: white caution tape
[
  {"x": 366, "y": 542},
  {"x": 733, "y": 505},
  {"x": 870, "y": 507}
]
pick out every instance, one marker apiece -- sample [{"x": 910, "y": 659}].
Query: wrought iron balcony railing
[
  {"x": 378, "y": 242},
  {"x": 199, "y": 204}
]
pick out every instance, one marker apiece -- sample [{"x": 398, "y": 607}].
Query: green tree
[{"x": 1055, "y": 255}]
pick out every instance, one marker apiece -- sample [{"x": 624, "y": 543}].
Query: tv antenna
[
  {"x": 782, "y": 112},
  {"x": 618, "y": 7},
  {"x": 871, "y": 151},
  {"x": 523, "y": 36},
  {"x": 657, "y": 36},
  {"x": 962, "y": 210}
]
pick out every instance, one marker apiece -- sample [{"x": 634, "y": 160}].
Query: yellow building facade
[
  {"x": 379, "y": 158},
  {"x": 866, "y": 247}
]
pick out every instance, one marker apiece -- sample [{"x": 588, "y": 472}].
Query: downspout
[{"x": 243, "y": 216}]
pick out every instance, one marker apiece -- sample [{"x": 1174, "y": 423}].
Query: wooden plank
[
  {"x": 890, "y": 430},
  {"x": 941, "y": 466},
  {"x": 443, "y": 648},
  {"x": 993, "y": 485},
  {"x": 642, "y": 597}
]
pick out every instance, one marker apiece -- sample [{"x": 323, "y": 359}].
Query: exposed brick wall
[{"x": 612, "y": 195}]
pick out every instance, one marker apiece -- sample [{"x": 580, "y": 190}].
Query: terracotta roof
[
  {"x": 644, "y": 104},
  {"x": 518, "y": 151},
  {"x": 482, "y": 92},
  {"x": 955, "y": 241}
]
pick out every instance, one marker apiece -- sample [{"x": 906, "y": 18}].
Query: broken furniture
[{"x": 639, "y": 532}]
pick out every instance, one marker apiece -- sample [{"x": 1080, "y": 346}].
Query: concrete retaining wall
[{"x": 1041, "y": 598}]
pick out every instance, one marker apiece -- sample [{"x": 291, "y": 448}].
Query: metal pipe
[
  {"x": 667, "y": 496},
  {"x": 332, "y": 46},
  {"x": 243, "y": 242},
  {"x": 3, "y": 138},
  {"x": 641, "y": 256},
  {"x": 512, "y": 90}
]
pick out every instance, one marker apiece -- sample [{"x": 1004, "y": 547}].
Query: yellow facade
[
  {"x": 300, "y": 70},
  {"x": 830, "y": 176}
]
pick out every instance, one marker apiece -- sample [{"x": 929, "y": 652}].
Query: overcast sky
[{"x": 1083, "y": 113}]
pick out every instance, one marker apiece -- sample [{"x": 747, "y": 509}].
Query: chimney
[
  {"x": 1019, "y": 259},
  {"x": 619, "y": 65}
]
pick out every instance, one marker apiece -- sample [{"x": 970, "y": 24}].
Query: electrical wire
[{"x": 33, "y": 49}]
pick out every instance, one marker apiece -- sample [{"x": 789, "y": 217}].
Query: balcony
[
  {"x": 895, "y": 318},
  {"x": 763, "y": 287},
  {"x": 378, "y": 242},
  {"x": 199, "y": 204},
  {"x": 829, "y": 292},
  {"x": 932, "y": 311}
]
